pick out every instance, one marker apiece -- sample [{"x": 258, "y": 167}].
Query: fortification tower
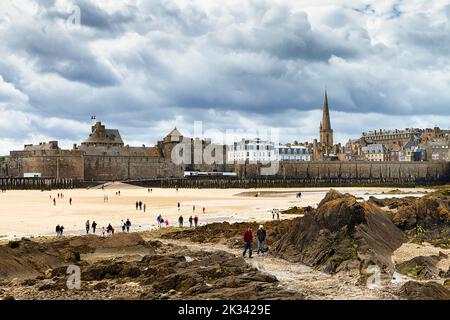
[
  {"x": 326, "y": 133},
  {"x": 169, "y": 142},
  {"x": 100, "y": 136}
]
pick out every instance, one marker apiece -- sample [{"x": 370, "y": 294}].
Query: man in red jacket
[{"x": 248, "y": 237}]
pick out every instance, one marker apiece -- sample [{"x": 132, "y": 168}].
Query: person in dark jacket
[
  {"x": 261, "y": 234},
  {"x": 248, "y": 237},
  {"x": 180, "y": 221}
]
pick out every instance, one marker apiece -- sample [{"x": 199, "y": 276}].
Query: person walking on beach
[
  {"x": 61, "y": 231},
  {"x": 190, "y": 221},
  {"x": 54, "y": 201},
  {"x": 278, "y": 215},
  {"x": 204, "y": 209},
  {"x": 88, "y": 226},
  {"x": 103, "y": 231},
  {"x": 273, "y": 214},
  {"x": 180, "y": 221},
  {"x": 128, "y": 224},
  {"x": 124, "y": 226},
  {"x": 178, "y": 205},
  {"x": 94, "y": 226},
  {"x": 137, "y": 205},
  {"x": 109, "y": 229},
  {"x": 70, "y": 201},
  {"x": 261, "y": 234},
  {"x": 196, "y": 221},
  {"x": 167, "y": 222},
  {"x": 193, "y": 209},
  {"x": 248, "y": 237},
  {"x": 145, "y": 207},
  {"x": 140, "y": 205},
  {"x": 58, "y": 230}
]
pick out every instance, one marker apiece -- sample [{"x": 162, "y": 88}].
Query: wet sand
[{"x": 32, "y": 213}]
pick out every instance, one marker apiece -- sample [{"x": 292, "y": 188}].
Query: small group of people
[
  {"x": 126, "y": 225},
  {"x": 59, "y": 230},
  {"x": 193, "y": 221},
  {"x": 149, "y": 190},
  {"x": 88, "y": 226},
  {"x": 161, "y": 222},
  {"x": 118, "y": 193},
  {"x": 277, "y": 213},
  {"x": 248, "y": 241},
  {"x": 140, "y": 206},
  {"x": 60, "y": 196}
]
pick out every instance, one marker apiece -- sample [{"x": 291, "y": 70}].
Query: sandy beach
[{"x": 32, "y": 213}]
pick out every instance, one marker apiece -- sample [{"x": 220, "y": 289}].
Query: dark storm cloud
[
  {"x": 53, "y": 51},
  {"x": 151, "y": 65}
]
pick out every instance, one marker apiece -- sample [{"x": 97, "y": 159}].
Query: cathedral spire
[
  {"x": 326, "y": 125},
  {"x": 326, "y": 133}
]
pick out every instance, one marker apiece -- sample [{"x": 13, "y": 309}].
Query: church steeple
[
  {"x": 326, "y": 125},
  {"x": 326, "y": 133}
]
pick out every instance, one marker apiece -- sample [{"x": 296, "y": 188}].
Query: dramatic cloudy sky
[{"x": 146, "y": 66}]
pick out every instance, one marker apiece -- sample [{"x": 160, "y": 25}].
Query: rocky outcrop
[
  {"x": 429, "y": 212},
  {"x": 26, "y": 258},
  {"x": 159, "y": 272},
  {"x": 341, "y": 230},
  {"x": 230, "y": 234},
  {"x": 422, "y": 267},
  {"x": 412, "y": 290},
  {"x": 392, "y": 203}
]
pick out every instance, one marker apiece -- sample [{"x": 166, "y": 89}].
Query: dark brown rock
[
  {"x": 341, "y": 229},
  {"x": 424, "y": 291},
  {"x": 421, "y": 267}
]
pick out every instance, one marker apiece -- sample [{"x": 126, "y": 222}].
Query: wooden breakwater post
[
  {"x": 236, "y": 183},
  {"x": 36, "y": 183}
]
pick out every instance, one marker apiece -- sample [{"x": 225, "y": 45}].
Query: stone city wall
[
  {"x": 384, "y": 171},
  {"x": 104, "y": 168},
  {"x": 75, "y": 165},
  {"x": 55, "y": 166}
]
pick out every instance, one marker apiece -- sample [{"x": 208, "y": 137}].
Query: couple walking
[{"x": 248, "y": 239}]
